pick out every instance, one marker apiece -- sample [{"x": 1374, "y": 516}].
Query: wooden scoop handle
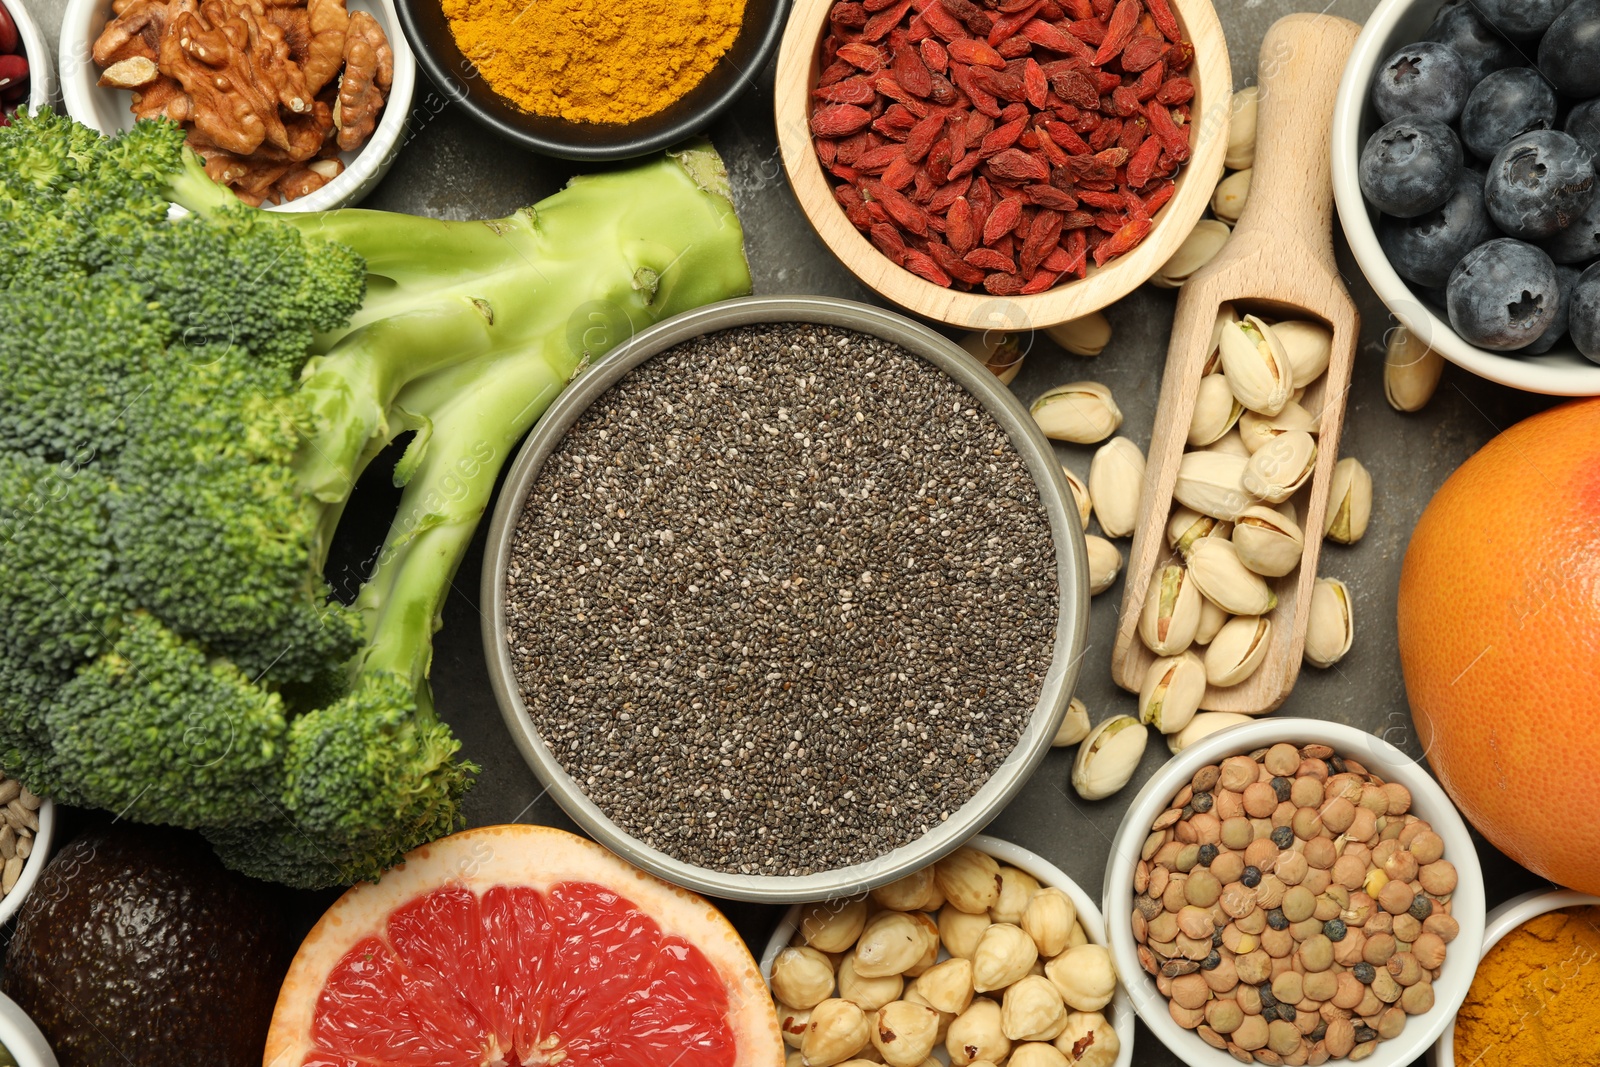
[{"x": 1291, "y": 192}]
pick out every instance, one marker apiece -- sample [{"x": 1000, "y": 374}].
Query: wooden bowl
[{"x": 798, "y": 67}]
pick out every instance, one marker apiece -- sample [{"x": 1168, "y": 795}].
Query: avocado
[{"x": 138, "y": 947}]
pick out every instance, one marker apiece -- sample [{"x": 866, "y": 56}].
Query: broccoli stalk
[{"x": 192, "y": 669}]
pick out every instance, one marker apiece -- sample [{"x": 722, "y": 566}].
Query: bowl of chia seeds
[{"x": 785, "y": 598}]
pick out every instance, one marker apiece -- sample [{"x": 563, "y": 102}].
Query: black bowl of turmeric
[{"x": 592, "y": 79}]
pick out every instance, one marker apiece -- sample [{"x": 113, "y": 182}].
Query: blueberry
[
  {"x": 1583, "y": 122},
  {"x": 1568, "y": 52},
  {"x": 1579, "y": 242},
  {"x": 1506, "y": 105},
  {"x": 1481, "y": 46},
  {"x": 1583, "y": 313},
  {"x": 1427, "y": 248},
  {"x": 1539, "y": 184},
  {"x": 1409, "y": 167},
  {"x": 1521, "y": 19},
  {"x": 1426, "y": 78},
  {"x": 1566, "y": 279},
  {"x": 1503, "y": 295}
]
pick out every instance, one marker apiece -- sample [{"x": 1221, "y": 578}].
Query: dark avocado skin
[{"x": 138, "y": 948}]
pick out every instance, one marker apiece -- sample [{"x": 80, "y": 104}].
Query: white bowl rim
[
  {"x": 22, "y": 1037},
  {"x": 1502, "y": 920},
  {"x": 34, "y": 867},
  {"x": 78, "y": 92},
  {"x": 1529, "y": 373},
  {"x": 1120, "y": 1016},
  {"x": 41, "y": 68},
  {"x": 1379, "y": 757}
]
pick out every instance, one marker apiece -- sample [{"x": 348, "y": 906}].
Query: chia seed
[{"x": 782, "y": 600}]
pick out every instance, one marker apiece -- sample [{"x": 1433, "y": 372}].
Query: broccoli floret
[
  {"x": 215, "y": 382},
  {"x": 158, "y": 730}
]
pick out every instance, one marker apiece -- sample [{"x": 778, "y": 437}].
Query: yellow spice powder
[
  {"x": 1535, "y": 1001},
  {"x": 590, "y": 60}
]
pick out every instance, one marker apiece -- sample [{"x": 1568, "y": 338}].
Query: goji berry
[
  {"x": 857, "y": 90},
  {"x": 1003, "y": 284},
  {"x": 946, "y": 195},
  {"x": 976, "y": 53},
  {"x": 958, "y": 228},
  {"x": 898, "y": 174},
  {"x": 977, "y": 21},
  {"x": 1042, "y": 238},
  {"x": 1105, "y": 134},
  {"x": 939, "y": 162},
  {"x": 1158, "y": 198},
  {"x": 1014, "y": 47},
  {"x": 1124, "y": 102},
  {"x": 879, "y": 25},
  {"x": 1133, "y": 133},
  {"x": 908, "y": 215},
  {"x": 1124, "y": 240},
  {"x": 827, "y": 151},
  {"x": 921, "y": 136},
  {"x": 1067, "y": 138},
  {"x": 1175, "y": 90},
  {"x": 911, "y": 73},
  {"x": 918, "y": 30},
  {"x": 848, "y": 16},
  {"x": 839, "y": 120},
  {"x": 1141, "y": 53},
  {"x": 862, "y": 56},
  {"x": 1009, "y": 23},
  {"x": 1089, "y": 31},
  {"x": 1107, "y": 201},
  {"x": 1149, "y": 82},
  {"x": 888, "y": 240},
  {"x": 943, "y": 23},
  {"x": 1180, "y": 56},
  {"x": 836, "y": 71},
  {"x": 1080, "y": 9},
  {"x": 874, "y": 6},
  {"x": 860, "y": 216},
  {"x": 1173, "y": 140},
  {"x": 951, "y": 263},
  {"x": 1047, "y": 36},
  {"x": 1049, "y": 196},
  {"x": 1166, "y": 22},
  {"x": 1141, "y": 165},
  {"x": 1059, "y": 261},
  {"x": 935, "y": 56},
  {"x": 989, "y": 259},
  {"x": 942, "y": 93},
  {"x": 1076, "y": 88},
  {"x": 923, "y": 266},
  {"x": 1006, "y": 214},
  {"x": 1003, "y": 84},
  {"x": 1053, "y": 153},
  {"x": 1034, "y": 85},
  {"x": 1041, "y": 281},
  {"x": 1002, "y": 138},
  {"x": 1015, "y": 165}
]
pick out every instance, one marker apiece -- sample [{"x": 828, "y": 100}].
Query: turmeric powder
[
  {"x": 590, "y": 60},
  {"x": 1535, "y": 1001}
]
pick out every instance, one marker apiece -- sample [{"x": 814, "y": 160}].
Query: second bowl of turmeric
[{"x": 591, "y": 80}]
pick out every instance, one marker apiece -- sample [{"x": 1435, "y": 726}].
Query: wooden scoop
[{"x": 1278, "y": 264}]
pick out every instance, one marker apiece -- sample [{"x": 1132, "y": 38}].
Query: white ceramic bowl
[
  {"x": 107, "y": 109},
  {"x": 34, "y": 867},
  {"x": 1502, "y": 920},
  {"x": 41, "y": 71},
  {"x": 1119, "y": 1013},
  {"x": 22, "y": 1038},
  {"x": 1395, "y": 24},
  {"x": 1377, "y": 756}
]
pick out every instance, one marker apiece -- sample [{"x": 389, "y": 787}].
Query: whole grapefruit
[{"x": 1500, "y": 641}]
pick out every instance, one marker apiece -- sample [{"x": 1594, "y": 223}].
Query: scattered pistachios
[
  {"x": 1105, "y": 563},
  {"x": 1173, "y": 689},
  {"x": 1242, "y": 131},
  {"x": 1198, "y": 249},
  {"x": 1074, "y": 725},
  {"x": 1016, "y": 982},
  {"x": 1280, "y": 905},
  {"x": 1086, "y": 336},
  {"x": 1080, "y": 494},
  {"x": 1216, "y": 411},
  {"x": 1203, "y": 725},
  {"x": 1411, "y": 371},
  {"x": 1349, "y": 502},
  {"x": 1330, "y": 628},
  {"x": 1227, "y": 203},
  {"x": 1116, "y": 481},
  {"x": 1082, "y": 413},
  {"x": 1257, "y": 365},
  {"x": 1108, "y": 757}
]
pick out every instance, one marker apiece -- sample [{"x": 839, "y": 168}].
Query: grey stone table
[{"x": 453, "y": 169}]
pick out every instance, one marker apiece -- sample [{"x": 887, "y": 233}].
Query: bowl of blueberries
[{"x": 1465, "y": 142}]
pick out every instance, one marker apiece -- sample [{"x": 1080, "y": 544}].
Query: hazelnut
[
  {"x": 914, "y": 892},
  {"x": 904, "y": 1033},
  {"x": 969, "y": 879},
  {"x": 946, "y": 986},
  {"x": 833, "y": 926},
  {"x": 1085, "y": 976},
  {"x": 891, "y": 943},
  {"x": 868, "y": 994},
  {"x": 1049, "y": 919},
  {"x": 1036, "y": 1054},
  {"x": 837, "y": 1031},
  {"x": 802, "y": 977},
  {"x": 960, "y": 931},
  {"x": 1088, "y": 1040},
  {"x": 1032, "y": 1010},
  {"x": 1004, "y": 954},
  {"x": 1016, "y": 889},
  {"x": 976, "y": 1035}
]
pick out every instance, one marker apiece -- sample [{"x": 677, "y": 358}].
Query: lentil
[{"x": 782, "y": 599}]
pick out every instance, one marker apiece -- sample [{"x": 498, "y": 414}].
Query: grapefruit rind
[{"x": 520, "y": 855}]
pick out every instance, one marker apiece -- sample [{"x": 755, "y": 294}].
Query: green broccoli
[{"x": 186, "y": 405}]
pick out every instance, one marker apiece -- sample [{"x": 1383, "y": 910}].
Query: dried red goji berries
[{"x": 1000, "y": 145}]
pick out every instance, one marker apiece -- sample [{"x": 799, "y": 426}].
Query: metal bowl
[{"x": 1071, "y": 624}]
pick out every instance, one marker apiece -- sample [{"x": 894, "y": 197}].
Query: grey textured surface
[{"x": 452, "y": 169}]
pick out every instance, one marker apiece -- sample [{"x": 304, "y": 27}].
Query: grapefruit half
[{"x": 522, "y": 946}]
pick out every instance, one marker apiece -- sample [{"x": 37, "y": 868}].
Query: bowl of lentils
[
  {"x": 784, "y": 598},
  {"x": 1294, "y": 891}
]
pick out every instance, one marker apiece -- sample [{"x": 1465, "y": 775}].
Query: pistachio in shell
[
  {"x": 1257, "y": 365},
  {"x": 1105, "y": 563},
  {"x": 1231, "y": 195},
  {"x": 1080, "y": 494},
  {"x": 1203, "y": 725},
  {"x": 1411, "y": 371},
  {"x": 1349, "y": 502},
  {"x": 1330, "y": 626},
  {"x": 1171, "y": 611},
  {"x": 1241, "y": 153},
  {"x": 1226, "y": 314},
  {"x": 1001, "y": 352},
  {"x": 1186, "y": 526},
  {"x": 1279, "y": 468},
  {"x": 1082, "y": 413},
  {"x": 1310, "y": 348},
  {"x": 1211, "y": 620},
  {"x": 1225, "y": 581},
  {"x": 1212, "y": 484},
  {"x": 1172, "y": 691},
  {"x": 1216, "y": 411},
  {"x": 1108, "y": 757},
  {"x": 1074, "y": 725},
  {"x": 1197, "y": 249},
  {"x": 1084, "y": 336},
  {"x": 1268, "y": 542},
  {"x": 1116, "y": 482},
  {"x": 1238, "y": 650}
]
